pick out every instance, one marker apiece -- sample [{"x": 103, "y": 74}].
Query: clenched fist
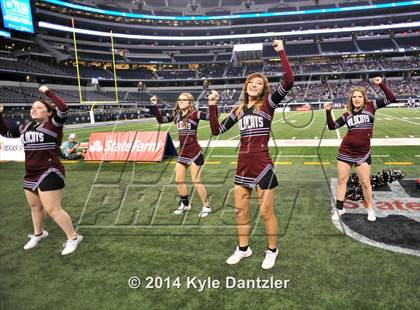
[
  {"x": 43, "y": 89},
  {"x": 328, "y": 106},
  {"x": 377, "y": 80},
  {"x": 213, "y": 97},
  {"x": 278, "y": 45}
]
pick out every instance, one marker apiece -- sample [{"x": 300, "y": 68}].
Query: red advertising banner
[
  {"x": 130, "y": 146},
  {"x": 303, "y": 109}
]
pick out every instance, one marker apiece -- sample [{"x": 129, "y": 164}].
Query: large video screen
[{"x": 17, "y": 15}]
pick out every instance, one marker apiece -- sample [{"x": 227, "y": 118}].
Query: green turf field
[
  {"x": 125, "y": 213},
  {"x": 391, "y": 122}
]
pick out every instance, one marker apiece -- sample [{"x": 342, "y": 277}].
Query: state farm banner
[
  {"x": 130, "y": 146},
  {"x": 11, "y": 149}
]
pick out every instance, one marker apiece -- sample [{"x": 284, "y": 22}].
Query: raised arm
[
  {"x": 389, "y": 96},
  {"x": 288, "y": 78},
  {"x": 61, "y": 107},
  {"x": 330, "y": 121},
  {"x": 226, "y": 124},
  {"x": 5, "y": 131},
  {"x": 156, "y": 112}
]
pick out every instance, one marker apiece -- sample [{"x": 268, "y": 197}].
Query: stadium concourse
[{"x": 106, "y": 59}]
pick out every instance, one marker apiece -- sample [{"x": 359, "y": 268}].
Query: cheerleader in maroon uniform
[
  {"x": 355, "y": 147},
  {"x": 186, "y": 118},
  {"x": 255, "y": 168},
  {"x": 44, "y": 178}
]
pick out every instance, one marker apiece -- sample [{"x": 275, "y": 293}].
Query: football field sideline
[{"x": 309, "y": 142}]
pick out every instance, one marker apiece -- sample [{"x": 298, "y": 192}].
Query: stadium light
[
  {"x": 236, "y": 16},
  {"x": 58, "y": 27}
]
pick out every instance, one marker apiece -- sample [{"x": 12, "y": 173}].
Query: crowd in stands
[
  {"x": 177, "y": 74},
  {"x": 405, "y": 89},
  {"x": 137, "y": 101},
  {"x": 314, "y": 90},
  {"x": 227, "y": 98},
  {"x": 212, "y": 70},
  {"x": 80, "y": 114},
  {"x": 235, "y": 71}
]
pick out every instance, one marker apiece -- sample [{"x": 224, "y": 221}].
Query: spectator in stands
[{"x": 71, "y": 148}]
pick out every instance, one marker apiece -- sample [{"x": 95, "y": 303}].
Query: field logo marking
[{"x": 397, "y": 225}]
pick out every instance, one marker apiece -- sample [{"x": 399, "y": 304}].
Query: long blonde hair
[
  {"x": 245, "y": 98},
  {"x": 350, "y": 106},
  {"x": 191, "y": 109}
]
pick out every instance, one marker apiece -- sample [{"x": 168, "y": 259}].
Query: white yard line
[
  {"x": 299, "y": 156},
  {"x": 310, "y": 142},
  {"x": 402, "y": 120}
]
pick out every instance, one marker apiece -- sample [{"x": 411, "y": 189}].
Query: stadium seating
[{"x": 332, "y": 62}]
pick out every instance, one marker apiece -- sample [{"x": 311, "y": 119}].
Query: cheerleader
[
  {"x": 44, "y": 178},
  {"x": 355, "y": 147},
  {"x": 186, "y": 119},
  {"x": 255, "y": 168}
]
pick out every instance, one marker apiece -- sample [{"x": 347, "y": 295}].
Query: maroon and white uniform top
[
  {"x": 189, "y": 149},
  {"x": 254, "y": 160},
  {"x": 41, "y": 143},
  {"x": 355, "y": 147}
]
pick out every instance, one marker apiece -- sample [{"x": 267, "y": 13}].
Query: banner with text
[
  {"x": 130, "y": 146},
  {"x": 11, "y": 149}
]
